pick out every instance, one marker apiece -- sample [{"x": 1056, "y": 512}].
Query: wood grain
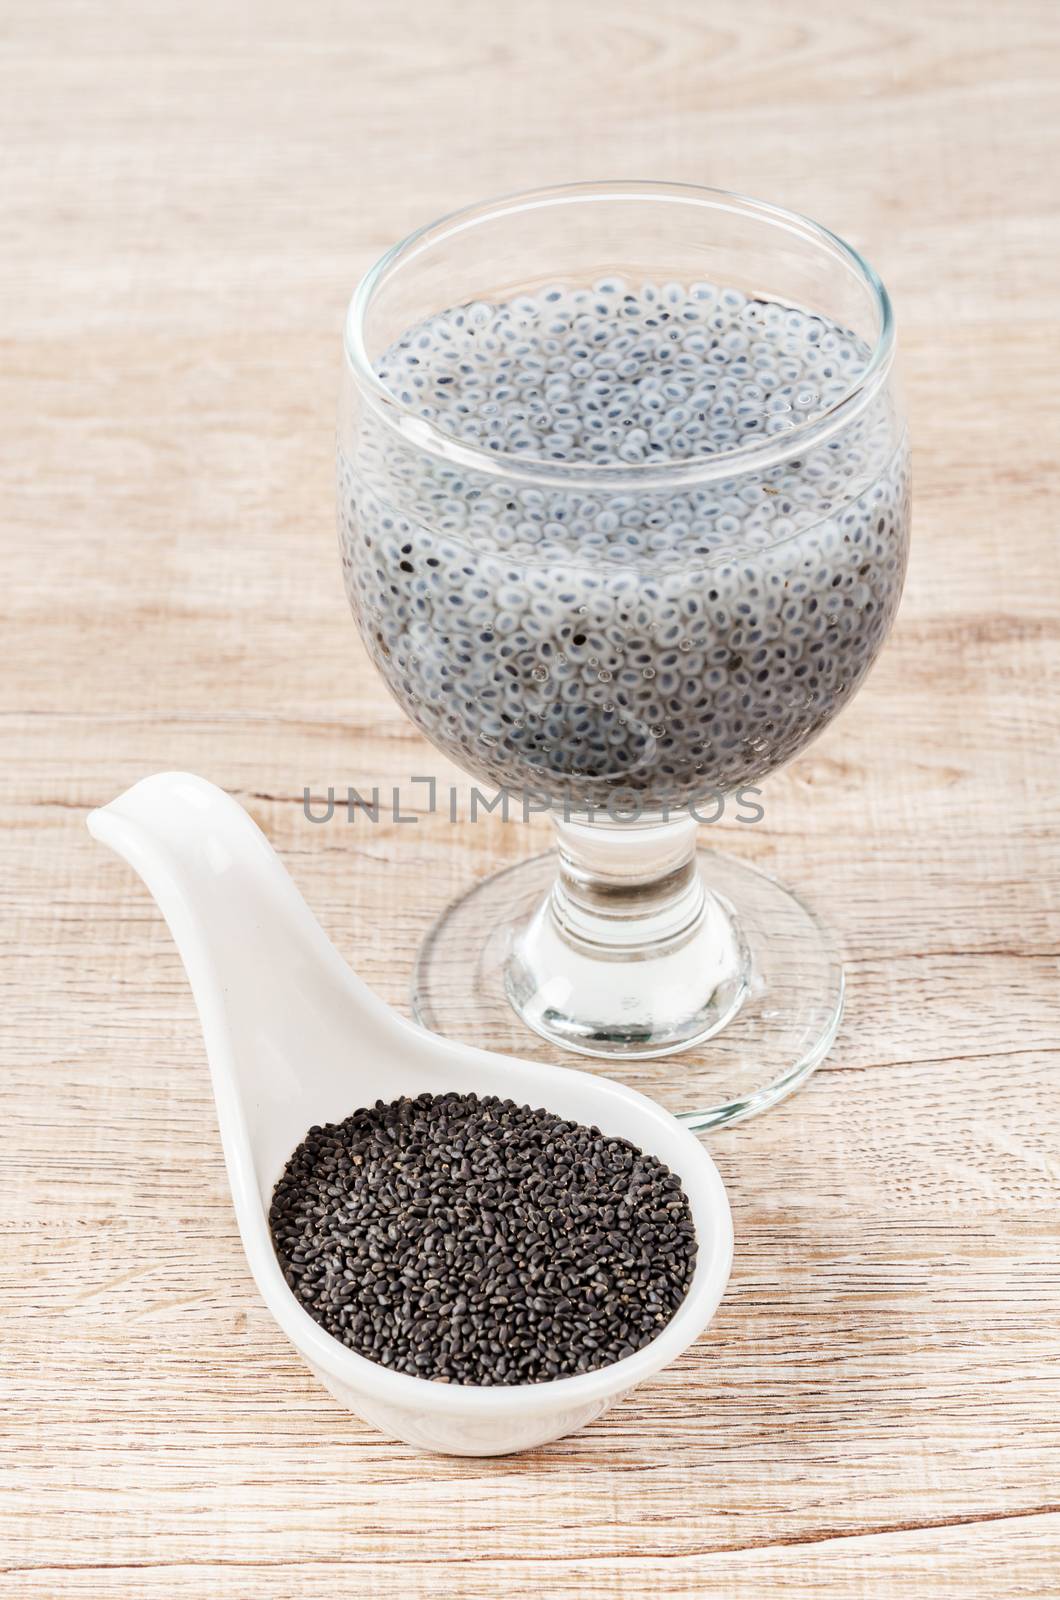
[{"x": 190, "y": 192}]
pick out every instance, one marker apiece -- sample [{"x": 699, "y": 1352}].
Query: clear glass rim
[{"x": 757, "y": 455}]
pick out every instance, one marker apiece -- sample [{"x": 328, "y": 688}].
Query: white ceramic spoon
[{"x": 295, "y": 1038}]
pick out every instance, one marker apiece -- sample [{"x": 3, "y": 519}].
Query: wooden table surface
[{"x": 189, "y": 191}]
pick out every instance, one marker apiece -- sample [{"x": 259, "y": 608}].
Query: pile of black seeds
[{"x": 473, "y": 1240}]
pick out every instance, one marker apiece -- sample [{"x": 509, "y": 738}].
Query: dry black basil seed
[{"x": 471, "y": 1240}]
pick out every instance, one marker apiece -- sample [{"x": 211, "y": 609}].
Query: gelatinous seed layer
[
  {"x": 473, "y": 1240},
  {"x": 583, "y": 639}
]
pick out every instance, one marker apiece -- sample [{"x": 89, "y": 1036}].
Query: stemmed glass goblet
[{"x": 623, "y": 512}]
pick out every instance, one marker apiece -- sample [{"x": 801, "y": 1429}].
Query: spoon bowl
[{"x": 295, "y": 1038}]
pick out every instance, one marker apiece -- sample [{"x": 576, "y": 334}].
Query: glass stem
[
  {"x": 627, "y": 888},
  {"x": 629, "y": 954}
]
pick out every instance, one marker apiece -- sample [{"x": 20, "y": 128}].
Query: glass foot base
[{"x": 762, "y": 990}]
